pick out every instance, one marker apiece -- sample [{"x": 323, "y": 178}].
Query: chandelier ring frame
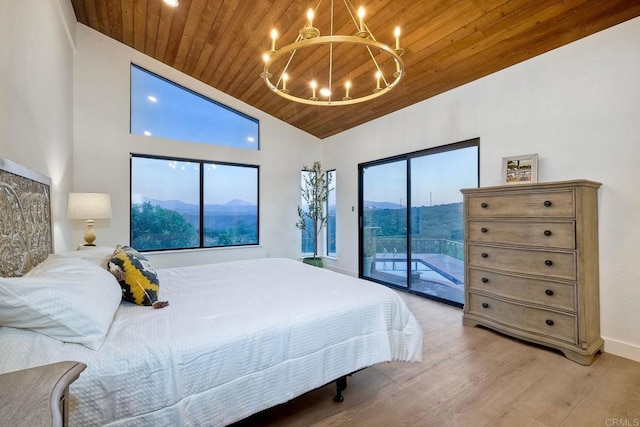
[{"x": 328, "y": 40}]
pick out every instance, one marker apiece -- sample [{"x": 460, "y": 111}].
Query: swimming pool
[
  {"x": 424, "y": 278},
  {"x": 398, "y": 267}
]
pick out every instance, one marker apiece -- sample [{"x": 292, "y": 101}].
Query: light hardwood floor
[{"x": 472, "y": 377}]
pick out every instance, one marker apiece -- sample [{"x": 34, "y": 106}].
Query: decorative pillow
[
  {"x": 137, "y": 278},
  {"x": 68, "y": 299}
]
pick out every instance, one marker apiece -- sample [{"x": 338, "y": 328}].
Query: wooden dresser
[{"x": 531, "y": 264}]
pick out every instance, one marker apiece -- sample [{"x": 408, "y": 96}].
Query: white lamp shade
[{"x": 89, "y": 206}]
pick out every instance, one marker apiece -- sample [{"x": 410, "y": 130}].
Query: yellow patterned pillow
[{"x": 137, "y": 278}]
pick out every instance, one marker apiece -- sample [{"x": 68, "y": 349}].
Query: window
[
  {"x": 331, "y": 213},
  {"x": 306, "y": 240},
  {"x": 411, "y": 228},
  {"x": 180, "y": 204},
  {"x": 165, "y": 109}
]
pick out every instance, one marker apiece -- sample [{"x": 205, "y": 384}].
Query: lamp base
[{"x": 89, "y": 235}]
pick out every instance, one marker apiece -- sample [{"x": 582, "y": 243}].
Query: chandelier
[{"x": 337, "y": 59}]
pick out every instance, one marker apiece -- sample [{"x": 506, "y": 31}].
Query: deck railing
[{"x": 395, "y": 244}]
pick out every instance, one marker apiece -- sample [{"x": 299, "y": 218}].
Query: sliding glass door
[
  {"x": 384, "y": 220},
  {"x": 411, "y": 232}
]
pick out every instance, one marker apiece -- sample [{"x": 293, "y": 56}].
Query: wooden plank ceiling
[{"x": 448, "y": 43}]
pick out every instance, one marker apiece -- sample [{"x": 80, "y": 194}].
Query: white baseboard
[{"x": 622, "y": 349}]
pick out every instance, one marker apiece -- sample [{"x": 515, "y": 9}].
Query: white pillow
[
  {"x": 99, "y": 255},
  {"x": 69, "y": 299}
]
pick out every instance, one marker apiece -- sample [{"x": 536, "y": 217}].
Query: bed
[{"x": 236, "y": 338}]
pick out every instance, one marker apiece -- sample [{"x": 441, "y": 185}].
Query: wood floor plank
[
  {"x": 471, "y": 377},
  {"x": 617, "y": 395},
  {"x": 512, "y": 417}
]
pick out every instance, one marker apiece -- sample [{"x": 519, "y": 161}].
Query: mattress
[{"x": 237, "y": 338}]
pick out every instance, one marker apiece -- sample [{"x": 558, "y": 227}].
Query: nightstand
[{"x": 38, "y": 396}]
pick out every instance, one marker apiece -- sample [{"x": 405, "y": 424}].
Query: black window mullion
[
  {"x": 201, "y": 245},
  {"x": 408, "y": 219}
]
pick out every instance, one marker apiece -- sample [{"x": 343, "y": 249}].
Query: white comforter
[{"x": 237, "y": 337}]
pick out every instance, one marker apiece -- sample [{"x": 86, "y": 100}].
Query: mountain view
[{"x": 166, "y": 224}]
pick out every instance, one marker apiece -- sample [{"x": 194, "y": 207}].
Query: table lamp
[{"x": 89, "y": 206}]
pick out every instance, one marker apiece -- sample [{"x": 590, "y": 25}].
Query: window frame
[
  {"x": 201, "y": 200},
  {"x": 327, "y": 228},
  {"x": 303, "y": 234}
]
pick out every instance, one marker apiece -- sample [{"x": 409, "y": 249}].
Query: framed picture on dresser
[{"x": 520, "y": 169}]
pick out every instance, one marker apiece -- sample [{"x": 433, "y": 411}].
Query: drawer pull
[
  {"x": 485, "y": 305},
  {"x": 549, "y": 322},
  {"x": 485, "y": 255},
  {"x": 547, "y": 233},
  {"x": 548, "y": 292},
  {"x": 485, "y": 280},
  {"x": 484, "y": 230},
  {"x": 548, "y": 263},
  {"x": 547, "y": 203},
  {"x": 484, "y": 205}
]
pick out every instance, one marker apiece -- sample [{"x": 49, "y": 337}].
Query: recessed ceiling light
[
  {"x": 325, "y": 92},
  {"x": 147, "y": 133},
  {"x": 172, "y": 3},
  {"x": 152, "y": 98}
]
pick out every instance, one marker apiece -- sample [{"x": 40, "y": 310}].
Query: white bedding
[{"x": 237, "y": 337}]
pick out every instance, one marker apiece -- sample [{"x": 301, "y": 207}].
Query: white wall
[
  {"x": 36, "y": 95},
  {"x": 103, "y": 143},
  {"x": 578, "y": 107}
]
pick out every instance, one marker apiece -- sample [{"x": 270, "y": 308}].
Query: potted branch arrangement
[{"x": 313, "y": 217}]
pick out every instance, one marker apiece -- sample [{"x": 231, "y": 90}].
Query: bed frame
[{"x": 25, "y": 219}]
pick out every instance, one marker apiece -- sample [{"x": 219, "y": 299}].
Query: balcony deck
[{"x": 451, "y": 287}]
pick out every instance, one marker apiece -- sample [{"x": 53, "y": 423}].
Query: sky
[
  {"x": 435, "y": 179},
  {"x": 164, "y": 109},
  {"x": 163, "y": 179}
]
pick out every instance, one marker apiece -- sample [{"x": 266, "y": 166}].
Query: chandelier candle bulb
[
  {"x": 396, "y": 32},
  {"x": 361, "y": 16},
  {"x": 348, "y": 86},
  {"x": 378, "y": 75},
  {"x": 274, "y": 36},
  {"x": 313, "y": 90},
  {"x": 285, "y": 77},
  {"x": 310, "y": 17}
]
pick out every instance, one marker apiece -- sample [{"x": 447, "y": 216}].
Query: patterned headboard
[{"x": 25, "y": 219}]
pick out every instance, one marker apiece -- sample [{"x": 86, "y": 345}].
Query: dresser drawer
[
  {"x": 537, "y": 291},
  {"x": 561, "y": 265},
  {"x": 559, "y": 235},
  {"x": 535, "y": 320},
  {"x": 527, "y": 204}
]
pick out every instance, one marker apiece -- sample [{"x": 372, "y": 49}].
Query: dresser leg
[{"x": 583, "y": 359}]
